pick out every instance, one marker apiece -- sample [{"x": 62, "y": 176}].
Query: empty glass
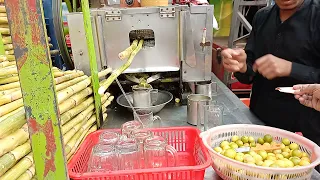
[
  {"x": 213, "y": 116},
  {"x": 214, "y": 90},
  {"x": 147, "y": 118},
  {"x": 129, "y": 127},
  {"x": 109, "y": 137},
  {"x": 103, "y": 158},
  {"x": 141, "y": 136},
  {"x": 128, "y": 153},
  {"x": 156, "y": 152}
]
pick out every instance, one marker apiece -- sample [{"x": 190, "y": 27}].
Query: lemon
[
  {"x": 218, "y": 149},
  {"x": 267, "y": 144},
  {"x": 286, "y": 149},
  {"x": 263, "y": 154},
  {"x": 304, "y": 154},
  {"x": 252, "y": 153},
  {"x": 253, "y": 144},
  {"x": 226, "y": 147},
  {"x": 279, "y": 156},
  {"x": 251, "y": 139},
  {"x": 280, "y": 163},
  {"x": 246, "y": 145},
  {"x": 288, "y": 163},
  {"x": 282, "y": 146},
  {"x": 257, "y": 157},
  {"x": 274, "y": 165},
  {"x": 278, "y": 151},
  {"x": 224, "y": 143},
  {"x": 239, "y": 143},
  {"x": 230, "y": 153},
  {"x": 268, "y": 138},
  {"x": 245, "y": 139},
  {"x": 296, "y": 153},
  {"x": 294, "y": 146},
  {"x": 271, "y": 154},
  {"x": 285, "y": 154},
  {"x": 306, "y": 159},
  {"x": 295, "y": 160},
  {"x": 286, "y": 141},
  {"x": 304, "y": 163},
  {"x": 235, "y": 138},
  {"x": 233, "y": 145},
  {"x": 273, "y": 143},
  {"x": 259, "y": 163},
  {"x": 273, "y": 158},
  {"x": 267, "y": 163},
  {"x": 260, "y": 141},
  {"x": 248, "y": 158},
  {"x": 239, "y": 157}
]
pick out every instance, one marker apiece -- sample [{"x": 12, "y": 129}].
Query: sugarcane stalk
[
  {"x": 85, "y": 115},
  {"x": 6, "y": 64},
  {"x": 3, "y": 14},
  {"x": 3, "y": 9},
  {"x": 8, "y": 70},
  {"x": 57, "y": 74},
  {"x": 69, "y": 91},
  {"x": 28, "y": 174},
  {"x": 11, "y": 158},
  {"x": 14, "y": 140},
  {"x": 74, "y": 81},
  {"x": 3, "y": 58},
  {"x": 72, "y": 132},
  {"x": 74, "y": 142},
  {"x": 126, "y": 53},
  {"x": 74, "y": 100},
  {"x": 4, "y": 26},
  {"x": 77, "y": 145},
  {"x": 9, "y": 80},
  {"x": 7, "y": 108},
  {"x": 23, "y": 165},
  {"x": 10, "y": 86},
  {"x": 6, "y": 40},
  {"x": 105, "y": 115},
  {"x": 11, "y": 113},
  {"x": 4, "y": 31},
  {"x": 12, "y": 123},
  {"x": 10, "y": 57},
  {"x": 68, "y": 77},
  {"x": 4, "y": 20},
  {"x": 5, "y": 92},
  {"x": 117, "y": 72},
  {"x": 8, "y": 47},
  {"x": 67, "y": 116},
  {"x": 10, "y": 97},
  {"x": 104, "y": 72}
]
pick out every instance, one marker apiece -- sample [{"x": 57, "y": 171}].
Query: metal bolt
[{"x": 81, "y": 53}]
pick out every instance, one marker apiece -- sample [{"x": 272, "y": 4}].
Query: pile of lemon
[{"x": 288, "y": 156}]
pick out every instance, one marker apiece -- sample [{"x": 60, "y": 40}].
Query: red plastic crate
[{"x": 193, "y": 158}]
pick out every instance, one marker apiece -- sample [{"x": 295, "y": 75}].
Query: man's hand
[
  {"x": 272, "y": 67},
  {"x": 234, "y": 60},
  {"x": 308, "y": 95}
]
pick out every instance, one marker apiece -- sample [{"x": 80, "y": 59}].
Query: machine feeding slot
[{"x": 146, "y": 34}]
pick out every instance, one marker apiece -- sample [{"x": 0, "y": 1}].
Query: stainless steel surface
[
  {"x": 203, "y": 88},
  {"x": 163, "y": 57},
  {"x": 175, "y": 115},
  {"x": 195, "y": 105},
  {"x": 142, "y": 96},
  {"x": 171, "y": 30},
  {"x": 163, "y": 98}
]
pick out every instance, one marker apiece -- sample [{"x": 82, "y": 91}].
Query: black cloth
[{"x": 297, "y": 40}]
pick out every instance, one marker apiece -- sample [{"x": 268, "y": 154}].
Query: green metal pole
[
  {"x": 92, "y": 59},
  {"x": 32, "y": 54}
]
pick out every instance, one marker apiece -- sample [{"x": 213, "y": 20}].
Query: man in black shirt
[{"x": 283, "y": 50}]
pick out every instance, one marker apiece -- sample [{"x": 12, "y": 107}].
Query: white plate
[{"x": 289, "y": 90}]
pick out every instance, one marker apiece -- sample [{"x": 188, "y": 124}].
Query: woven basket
[
  {"x": 230, "y": 169},
  {"x": 146, "y": 3}
]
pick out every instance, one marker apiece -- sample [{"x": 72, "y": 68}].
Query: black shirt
[{"x": 297, "y": 40}]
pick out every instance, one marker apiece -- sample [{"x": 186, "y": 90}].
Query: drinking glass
[
  {"x": 213, "y": 116},
  {"x": 103, "y": 158},
  {"x": 214, "y": 89},
  {"x": 140, "y": 136},
  {"x": 156, "y": 151},
  {"x": 147, "y": 118},
  {"x": 128, "y": 153},
  {"x": 129, "y": 127},
  {"x": 109, "y": 137}
]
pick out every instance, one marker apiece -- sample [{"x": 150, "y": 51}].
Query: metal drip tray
[{"x": 164, "y": 98}]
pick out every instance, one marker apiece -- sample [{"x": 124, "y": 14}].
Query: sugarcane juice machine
[{"x": 177, "y": 49}]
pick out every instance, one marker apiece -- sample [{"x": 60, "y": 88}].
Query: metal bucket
[{"x": 195, "y": 103}]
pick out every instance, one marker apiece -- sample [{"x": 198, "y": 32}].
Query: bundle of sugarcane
[{"x": 77, "y": 115}]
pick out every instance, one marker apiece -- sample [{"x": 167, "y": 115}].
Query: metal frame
[
  {"x": 32, "y": 54},
  {"x": 238, "y": 20}
]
